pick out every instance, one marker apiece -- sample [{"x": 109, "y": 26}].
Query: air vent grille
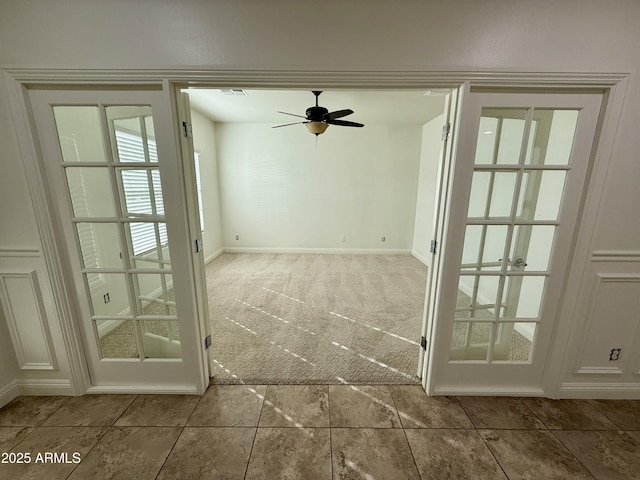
[{"x": 236, "y": 92}]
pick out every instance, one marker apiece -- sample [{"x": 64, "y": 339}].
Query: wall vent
[{"x": 236, "y": 92}]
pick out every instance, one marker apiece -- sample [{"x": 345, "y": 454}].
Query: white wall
[
  {"x": 204, "y": 141},
  {"x": 282, "y": 190},
  {"x": 593, "y": 36},
  {"x": 427, "y": 184}
]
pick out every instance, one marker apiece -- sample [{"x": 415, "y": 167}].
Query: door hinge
[
  {"x": 198, "y": 245},
  {"x": 207, "y": 341},
  {"x": 446, "y": 129},
  {"x": 187, "y": 131},
  {"x": 423, "y": 343},
  {"x": 434, "y": 247}
]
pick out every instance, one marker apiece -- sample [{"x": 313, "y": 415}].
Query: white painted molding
[
  {"x": 347, "y": 251},
  {"x": 30, "y": 154},
  {"x": 607, "y": 390},
  {"x": 45, "y": 386},
  {"x": 213, "y": 256},
  {"x": 424, "y": 260},
  {"x": 527, "y": 330},
  {"x": 9, "y": 392},
  {"x": 144, "y": 389},
  {"x": 615, "y": 256},
  {"x": 599, "y": 371},
  {"x": 563, "y": 348},
  {"x": 17, "y": 78},
  {"x": 346, "y": 77},
  {"x": 19, "y": 252},
  {"x": 19, "y": 324},
  {"x": 598, "y": 281},
  {"x": 491, "y": 391}
]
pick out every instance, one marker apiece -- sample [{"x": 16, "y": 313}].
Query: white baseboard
[
  {"x": 213, "y": 256},
  {"x": 9, "y": 392},
  {"x": 604, "y": 390},
  {"x": 484, "y": 391},
  {"x": 420, "y": 257},
  {"x": 145, "y": 389},
  {"x": 46, "y": 386},
  {"x": 346, "y": 251},
  {"x": 527, "y": 330}
]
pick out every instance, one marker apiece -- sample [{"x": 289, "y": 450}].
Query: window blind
[{"x": 142, "y": 191}]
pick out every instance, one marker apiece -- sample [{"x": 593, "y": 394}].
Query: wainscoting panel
[
  {"x": 27, "y": 321},
  {"x": 612, "y": 323}
]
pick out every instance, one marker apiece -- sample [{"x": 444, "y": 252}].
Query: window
[{"x": 142, "y": 191}]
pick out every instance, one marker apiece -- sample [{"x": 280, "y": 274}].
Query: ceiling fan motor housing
[{"x": 316, "y": 114}]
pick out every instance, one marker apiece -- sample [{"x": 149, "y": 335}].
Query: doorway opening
[{"x": 316, "y": 246}]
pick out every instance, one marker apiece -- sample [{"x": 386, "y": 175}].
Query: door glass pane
[
  {"x": 553, "y": 139},
  {"x": 531, "y": 247},
  {"x": 149, "y": 243},
  {"x": 522, "y": 296},
  {"x": 99, "y": 245},
  {"x": 514, "y": 342},
  {"x": 500, "y": 136},
  {"x": 155, "y": 294},
  {"x": 492, "y": 194},
  {"x": 484, "y": 247},
  {"x": 109, "y": 297},
  {"x": 511, "y": 137},
  {"x": 79, "y": 133},
  {"x": 160, "y": 339},
  {"x": 117, "y": 338},
  {"x": 541, "y": 194},
  {"x": 142, "y": 192},
  {"x": 485, "y": 147},
  {"x": 90, "y": 192},
  {"x": 470, "y": 340},
  {"x": 477, "y": 296},
  {"x": 129, "y": 127}
]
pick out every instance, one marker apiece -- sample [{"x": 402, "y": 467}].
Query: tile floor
[{"x": 314, "y": 432}]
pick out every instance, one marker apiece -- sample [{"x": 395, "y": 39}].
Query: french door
[
  {"x": 519, "y": 178},
  {"x": 113, "y": 168}
]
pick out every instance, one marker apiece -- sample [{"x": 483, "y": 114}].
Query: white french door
[
  {"x": 114, "y": 170},
  {"x": 519, "y": 178}
]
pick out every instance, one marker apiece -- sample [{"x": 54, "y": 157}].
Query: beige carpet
[{"x": 291, "y": 318}]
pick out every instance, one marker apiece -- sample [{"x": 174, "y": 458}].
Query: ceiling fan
[{"x": 318, "y": 118}]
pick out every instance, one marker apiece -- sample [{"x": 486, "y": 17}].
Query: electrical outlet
[
  {"x": 384, "y": 239},
  {"x": 237, "y": 237},
  {"x": 615, "y": 354},
  {"x": 106, "y": 298}
]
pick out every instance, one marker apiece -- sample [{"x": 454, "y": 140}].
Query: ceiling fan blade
[
  {"x": 287, "y": 124},
  {"x": 344, "y": 123},
  {"x": 293, "y": 115},
  {"x": 337, "y": 114}
]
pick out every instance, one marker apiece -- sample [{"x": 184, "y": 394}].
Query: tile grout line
[
  {"x": 482, "y": 438},
  {"x": 255, "y": 435},
  {"x": 106, "y": 430},
  {"x": 178, "y": 437},
  {"x": 571, "y": 453},
  {"x": 404, "y": 432},
  {"x": 330, "y": 429}
]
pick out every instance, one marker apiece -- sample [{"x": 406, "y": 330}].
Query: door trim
[{"x": 16, "y": 80}]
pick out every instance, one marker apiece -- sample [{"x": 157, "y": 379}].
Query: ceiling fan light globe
[{"x": 316, "y": 128}]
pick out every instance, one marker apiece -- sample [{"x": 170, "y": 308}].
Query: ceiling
[{"x": 370, "y": 107}]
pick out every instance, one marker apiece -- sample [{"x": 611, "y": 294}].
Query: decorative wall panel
[{"x": 27, "y": 320}]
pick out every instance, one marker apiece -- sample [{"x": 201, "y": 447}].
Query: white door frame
[{"x": 17, "y": 80}]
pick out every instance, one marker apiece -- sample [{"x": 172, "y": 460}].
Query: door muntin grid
[
  {"x": 521, "y": 166},
  {"x": 141, "y": 321}
]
